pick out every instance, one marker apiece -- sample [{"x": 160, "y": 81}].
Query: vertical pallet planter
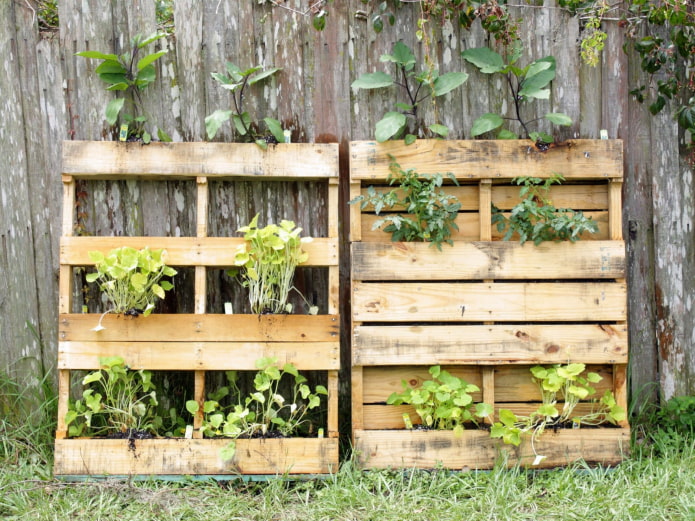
[
  {"x": 485, "y": 309},
  {"x": 197, "y": 342}
]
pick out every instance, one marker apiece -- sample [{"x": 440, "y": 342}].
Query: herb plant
[
  {"x": 525, "y": 84},
  {"x": 445, "y": 402},
  {"x": 536, "y": 219},
  {"x": 116, "y": 400},
  {"x": 131, "y": 279},
  {"x": 418, "y": 87},
  {"x": 263, "y": 411},
  {"x": 431, "y": 213},
  {"x": 559, "y": 382},
  {"x": 129, "y": 73},
  {"x": 266, "y": 263},
  {"x": 236, "y": 81}
]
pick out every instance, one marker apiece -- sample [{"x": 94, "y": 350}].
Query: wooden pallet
[
  {"x": 198, "y": 342},
  {"x": 486, "y": 309}
]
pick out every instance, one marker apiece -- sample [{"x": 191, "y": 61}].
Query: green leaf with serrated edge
[
  {"x": 486, "y": 123},
  {"x": 373, "y": 80},
  {"x": 487, "y": 60},
  {"x": 448, "y": 82},
  {"x": 215, "y": 120},
  {"x": 112, "y": 110},
  {"x": 390, "y": 125},
  {"x": 558, "y": 118}
]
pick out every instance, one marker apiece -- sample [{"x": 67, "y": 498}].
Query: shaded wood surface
[{"x": 50, "y": 95}]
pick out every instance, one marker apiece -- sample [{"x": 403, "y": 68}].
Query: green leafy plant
[
  {"x": 115, "y": 401},
  {"x": 559, "y": 382},
  {"x": 431, "y": 213},
  {"x": 263, "y": 411},
  {"x": 525, "y": 84},
  {"x": 236, "y": 81},
  {"x": 267, "y": 262},
  {"x": 445, "y": 402},
  {"x": 536, "y": 219},
  {"x": 131, "y": 279},
  {"x": 129, "y": 73},
  {"x": 678, "y": 415},
  {"x": 418, "y": 87}
]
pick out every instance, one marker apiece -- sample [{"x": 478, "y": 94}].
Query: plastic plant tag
[
  {"x": 538, "y": 459},
  {"x": 84, "y": 308},
  {"x": 320, "y": 433},
  {"x": 123, "y": 135},
  {"x": 406, "y": 420},
  {"x": 228, "y": 308},
  {"x": 189, "y": 432}
]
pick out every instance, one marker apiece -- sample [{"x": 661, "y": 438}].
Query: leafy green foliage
[
  {"x": 418, "y": 87},
  {"x": 264, "y": 410},
  {"x": 431, "y": 213},
  {"x": 445, "y": 402},
  {"x": 129, "y": 73},
  {"x": 267, "y": 262},
  {"x": 236, "y": 81},
  {"x": 536, "y": 219},
  {"x": 678, "y": 415},
  {"x": 525, "y": 84},
  {"x": 559, "y": 382},
  {"x": 115, "y": 400},
  {"x": 131, "y": 279}
]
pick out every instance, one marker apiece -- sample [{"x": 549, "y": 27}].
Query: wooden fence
[{"x": 50, "y": 95}]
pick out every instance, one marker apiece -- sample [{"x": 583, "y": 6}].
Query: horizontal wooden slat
[
  {"x": 493, "y": 159},
  {"x": 488, "y": 260},
  {"x": 504, "y": 197},
  {"x": 489, "y": 344},
  {"x": 178, "y": 456},
  {"x": 476, "y": 450},
  {"x": 469, "y": 228},
  {"x": 186, "y": 251},
  {"x": 513, "y": 383},
  {"x": 208, "y": 356},
  {"x": 113, "y": 160},
  {"x": 501, "y": 302},
  {"x": 199, "y": 328}
]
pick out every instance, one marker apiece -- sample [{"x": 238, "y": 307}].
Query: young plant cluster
[
  {"x": 266, "y": 263},
  {"x": 430, "y": 213},
  {"x": 265, "y": 410},
  {"x": 444, "y": 402},
  {"x": 536, "y": 219},
  {"x": 131, "y": 279},
  {"x": 559, "y": 382},
  {"x": 115, "y": 401}
]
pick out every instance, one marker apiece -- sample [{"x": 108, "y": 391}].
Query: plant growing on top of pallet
[
  {"x": 445, "y": 402},
  {"x": 115, "y": 401},
  {"x": 427, "y": 84},
  {"x": 266, "y": 263},
  {"x": 559, "y": 382},
  {"x": 530, "y": 82},
  {"x": 431, "y": 212},
  {"x": 131, "y": 74},
  {"x": 131, "y": 279},
  {"x": 265, "y": 410},
  {"x": 236, "y": 81},
  {"x": 536, "y": 219}
]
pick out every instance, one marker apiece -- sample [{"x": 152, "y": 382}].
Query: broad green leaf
[
  {"x": 97, "y": 55},
  {"x": 275, "y": 128},
  {"x": 486, "y": 123},
  {"x": 401, "y": 55},
  {"x": 448, "y": 82},
  {"x": 373, "y": 80},
  {"x": 507, "y": 134},
  {"x": 487, "y": 60},
  {"x": 163, "y": 136},
  {"x": 151, "y": 38},
  {"x": 558, "y": 118},
  {"x": 215, "y": 120},
  {"x": 263, "y": 75},
  {"x": 409, "y": 139},
  {"x": 146, "y": 76},
  {"x": 117, "y": 86},
  {"x": 534, "y": 87},
  {"x": 111, "y": 67},
  {"x": 144, "y": 62},
  {"x": 112, "y": 110},
  {"x": 440, "y": 130},
  {"x": 242, "y": 123},
  {"x": 192, "y": 406},
  {"x": 538, "y": 66},
  {"x": 390, "y": 125}
]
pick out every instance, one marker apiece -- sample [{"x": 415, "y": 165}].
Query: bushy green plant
[
  {"x": 267, "y": 262},
  {"x": 418, "y": 87},
  {"x": 559, "y": 382},
  {"x": 129, "y": 73},
  {"x": 678, "y": 415},
  {"x": 131, "y": 279},
  {"x": 525, "y": 84},
  {"x": 263, "y": 411},
  {"x": 444, "y": 402},
  {"x": 431, "y": 213},
  {"x": 115, "y": 400},
  {"x": 236, "y": 81},
  {"x": 536, "y": 219}
]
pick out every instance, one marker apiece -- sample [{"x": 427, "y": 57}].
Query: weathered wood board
[{"x": 485, "y": 309}]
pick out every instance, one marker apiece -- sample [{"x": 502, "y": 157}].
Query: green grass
[{"x": 657, "y": 483}]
